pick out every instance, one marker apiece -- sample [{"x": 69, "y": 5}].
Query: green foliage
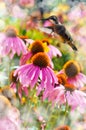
[{"x": 59, "y": 62}]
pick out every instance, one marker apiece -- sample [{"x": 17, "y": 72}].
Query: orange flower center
[
  {"x": 65, "y": 127},
  {"x": 40, "y": 59},
  {"x": 23, "y": 37},
  {"x": 36, "y": 47},
  {"x": 69, "y": 87},
  {"x": 71, "y": 68},
  {"x": 62, "y": 78},
  {"x": 12, "y": 77}
]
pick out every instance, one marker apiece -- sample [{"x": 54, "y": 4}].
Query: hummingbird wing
[{"x": 62, "y": 31}]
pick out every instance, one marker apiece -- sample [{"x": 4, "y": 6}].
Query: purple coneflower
[
  {"x": 38, "y": 70},
  {"x": 35, "y": 47},
  {"x": 73, "y": 72},
  {"x": 74, "y": 97},
  {"x": 11, "y": 44},
  {"x": 66, "y": 93},
  {"x": 57, "y": 96}
]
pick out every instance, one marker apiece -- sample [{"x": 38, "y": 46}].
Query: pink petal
[{"x": 25, "y": 57}]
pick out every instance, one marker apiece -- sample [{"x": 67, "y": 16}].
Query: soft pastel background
[{"x": 30, "y": 113}]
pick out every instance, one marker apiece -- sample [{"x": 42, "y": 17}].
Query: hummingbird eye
[{"x": 54, "y": 19}]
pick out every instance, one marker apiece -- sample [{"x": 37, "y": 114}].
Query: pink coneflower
[
  {"x": 64, "y": 93},
  {"x": 56, "y": 96},
  {"x": 73, "y": 72},
  {"x": 38, "y": 70},
  {"x": 39, "y": 46},
  {"x": 67, "y": 93},
  {"x": 35, "y": 47},
  {"x": 74, "y": 97},
  {"x": 11, "y": 44},
  {"x": 53, "y": 51}
]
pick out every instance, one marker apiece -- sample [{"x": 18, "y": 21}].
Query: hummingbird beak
[{"x": 44, "y": 19}]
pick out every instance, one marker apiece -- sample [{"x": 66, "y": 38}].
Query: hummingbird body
[{"x": 60, "y": 30}]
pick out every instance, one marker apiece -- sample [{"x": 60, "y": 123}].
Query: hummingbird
[{"x": 59, "y": 29}]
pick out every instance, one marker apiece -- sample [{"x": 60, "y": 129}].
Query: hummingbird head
[{"x": 53, "y": 18}]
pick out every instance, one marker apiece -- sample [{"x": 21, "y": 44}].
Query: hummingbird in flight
[{"x": 59, "y": 29}]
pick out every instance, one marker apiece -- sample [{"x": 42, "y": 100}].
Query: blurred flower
[
  {"x": 8, "y": 93},
  {"x": 77, "y": 12},
  {"x": 23, "y": 100},
  {"x": 56, "y": 96},
  {"x": 38, "y": 69},
  {"x": 18, "y": 12},
  {"x": 75, "y": 98},
  {"x": 83, "y": 89},
  {"x": 14, "y": 116},
  {"x": 63, "y": 7},
  {"x": 27, "y": 3},
  {"x": 11, "y": 44},
  {"x": 32, "y": 21},
  {"x": 5, "y": 105},
  {"x": 67, "y": 94},
  {"x": 3, "y": 11},
  {"x": 64, "y": 127},
  {"x": 9, "y": 115},
  {"x": 7, "y": 124},
  {"x": 74, "y": 76}
]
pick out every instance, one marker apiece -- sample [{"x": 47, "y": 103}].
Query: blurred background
[{"x": 25, "y": 15}]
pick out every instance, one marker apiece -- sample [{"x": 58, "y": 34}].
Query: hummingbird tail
[{"x": 73, "y": 46}]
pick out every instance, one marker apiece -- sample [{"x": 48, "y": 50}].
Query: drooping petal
[
  {"x": 54, "y": 78},
  {"x": 53, "y": 52},
  {"x": 34, "y": 79},
  {"x": 25, "y": 57}
]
